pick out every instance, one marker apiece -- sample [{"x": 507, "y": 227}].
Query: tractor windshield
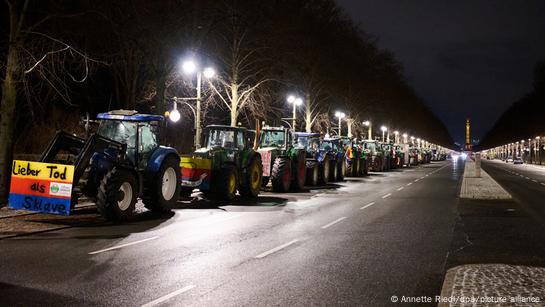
[
  {"x": 122, "y": 132},
  {"x": 308, "y": 143},
  {"x": 272, "y": 138},
  {"x": 221, "y": 138}
]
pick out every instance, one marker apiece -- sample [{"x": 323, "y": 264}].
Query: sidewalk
[
  {"x": 494, "y": 285},
  {"x": 21, "y": 222},
  {"x": 535, "y": 167},
  {"x": 483, "y": 187}
]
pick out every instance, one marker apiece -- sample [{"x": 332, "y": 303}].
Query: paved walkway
[
  {"x": 483, "y": 187},
  {"x": 493, "y": 285}
]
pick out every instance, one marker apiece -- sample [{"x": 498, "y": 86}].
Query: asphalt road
[{"x": 358, "y": 243}]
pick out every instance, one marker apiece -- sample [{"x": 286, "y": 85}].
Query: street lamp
[
  {"x": 383, "y": 129},
  {"x": 405, "y": 138},
  {"x": 396, "y": 140},
  {"x": 412, "y": 140},
  {"x": 174, "y": 114},
  {"x": 296, "y": 101},
  {"x": 190, "y": 67},
  {"x": 367, "y": 124},
  {"x": 340, "y": 116}
]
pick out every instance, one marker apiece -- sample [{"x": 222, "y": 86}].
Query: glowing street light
[
  {"x": 296, "y": 101},
  {"x": 405, "y": 135},
  {"x": 190, "y": 67},
  {"x": 396, "y": 134},
  {"x": 174, "y": 115},
  {"x": 383, "y": 129},
  {"x": 340, "y": 116},
  {"x": 369, "y": 126}
]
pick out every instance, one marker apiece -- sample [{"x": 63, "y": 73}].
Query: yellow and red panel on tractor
[{"x": 196, "y": 172}]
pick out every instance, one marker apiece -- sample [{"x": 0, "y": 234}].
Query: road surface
[{"x": 358, "y": 243}]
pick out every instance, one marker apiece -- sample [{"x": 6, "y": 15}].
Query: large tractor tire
[
  {"x": 298, "y": 182},
  {"x": 313, "y": 173},
  {"x": 264, "y": 181},
  {"x": 354, "y": 169},
  {"x": 365, "y": 167},
  {"x": 117, "y": 193},
  {"x": 253, "y": 179},
  {"x": 334, "y": 171},
  {"x": 165, "y": 187},
  {"x": 225, "y": 184},
  {"x": 281, "y": 175},
  {"x": 324, "y": 171},
  {"x": 341, "y": 166}
]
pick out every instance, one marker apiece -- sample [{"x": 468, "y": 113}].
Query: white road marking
[
  {"x": 168, "y": 296},
  {"x": 400, "y": 188},
  {"x": 122, "y": 245},
  {"x": 408, "y": 184},
  {"x": 416, "y": 180},
  {"x": 534, "y": 180},
  {"x": 542, "y": 183},
  {"x": 387, "y": 195},
  {"x": 274, "y": 250},
  {"x": 528, "y": 178},
  {"x": 334, "y": 222},
  {"x": 368, "y": 205},
  {"x": 422, "y": 177}
]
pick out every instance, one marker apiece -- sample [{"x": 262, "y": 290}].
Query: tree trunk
[
  {"x": 308, "y": 114},
  {"x": 7, "y": 121},
  {"x": 234, "y": 104}
]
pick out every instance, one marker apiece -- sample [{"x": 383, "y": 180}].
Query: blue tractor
[{"x": 119, "y": 163}]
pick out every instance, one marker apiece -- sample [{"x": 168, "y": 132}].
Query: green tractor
[
  {"x": 226, "y": 164},
  {"x": 357, "y": 158},
  {"x": 378, "y": 157},
  {"x": 283, "y": 164}
]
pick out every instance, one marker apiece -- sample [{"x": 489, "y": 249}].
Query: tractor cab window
[
  {"x": 302, "y": 142},
  {"x": 270, "y": 138},
  {"x": 240, "y": 140},
  {"x": 328, "y": 146},
  {"x": 122, "y": 132},
  {"x": 221, "y": 138},
  {"x": 148, "y": 142}
]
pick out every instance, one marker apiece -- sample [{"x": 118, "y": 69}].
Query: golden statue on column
[{"x": 467, "y": 147}]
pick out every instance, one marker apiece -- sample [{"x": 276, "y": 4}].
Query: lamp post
[
  {"x": 538, "y": 153},
  {"x": 190, "y": 67},
  {"x": 367, "y": 123},
  {"x": 296, "y": 101},
  {"x": 340, "y": 116},
  {"x": 383, "y": 129},
  {"x": 405, "y": 138},
  {"x": 412, "y": 140},
  {"x": 396, "y": 135}
]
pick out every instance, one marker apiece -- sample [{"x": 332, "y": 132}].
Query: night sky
[{"x": 464, "y": 58}]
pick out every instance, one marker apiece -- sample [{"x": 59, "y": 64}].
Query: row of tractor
[{"x": 124, "y": 161}]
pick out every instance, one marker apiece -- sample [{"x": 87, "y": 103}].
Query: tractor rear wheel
[
  {"x": 165, "y": 187},
  {"x": 264, "y": 181},
  {"x": 341, "y": 165},
  {"x": 298, "y": 182},
  {"x": 116, "y": 196},
  {"x": 313, "y": 174},
  {"x": 225, "y": 185},
  {"x": 334, "y": 171},
  {"x": 325, "y": 170},
  {"x": 281, "y": 174},
  {"x": 253, "y": 179}
]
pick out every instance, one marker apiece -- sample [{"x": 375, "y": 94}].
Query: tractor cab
[
  {"x": 275, "y": 137},
  {"x": 309, "y": 141},
  {"x": 140, "y": 132},
  {"x": 227, "y": 139}
]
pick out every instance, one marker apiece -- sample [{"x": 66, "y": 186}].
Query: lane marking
[
  {"x": 274, "y": 250},
  {"x": 400, "y": 188},
  {"x": 368, "y": 205},
  {"x": 534, "y": 180},
  {"x": 408, "y": 184},
  {"x": 387, "y": 195},
  {"x": 169, "y": 296},
  {"x": 542, "y": 183},
  {"x": 422, "y": 177},
  {"x": 334, "y": 222},
  {"x": 527, "y": 178},
  {"x": 123, "y": 245},
  {"x": 416, "y": 180}
]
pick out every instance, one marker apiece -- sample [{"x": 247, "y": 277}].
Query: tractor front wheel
[
  {"x": 253, "y": 179},
  {"x": 226, "y": 183},
  {"x": 165, "y": 187},
  {"x": 281, "y": 175},
  {"x": 334, "y": 174},
  {"x": 342, "y": 170},
  {"x": 116, "y": 196}
]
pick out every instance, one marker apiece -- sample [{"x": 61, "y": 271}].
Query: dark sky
[{"x": 467, "y": 58}]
